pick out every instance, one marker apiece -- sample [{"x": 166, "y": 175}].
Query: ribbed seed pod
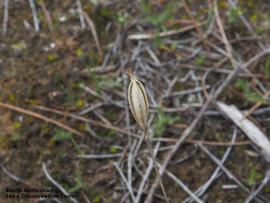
[
  {"x": 138, "y": 102},
  {"x": 139, "y": 106}
]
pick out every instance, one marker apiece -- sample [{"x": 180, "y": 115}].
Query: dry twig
[
  {"x": 94, "y": 33},
  {"x": 125, "y": 181},
  {"x": 162, "y": 34},
  {"x": 5, "y": 18},
  {"x": 35, "y": 16},
  {"x": 80, "y": 11},
  {"x": 39, "y": 116},
  {"x": 47, "y": 14},
  {"x": 226, "y": 171},
  {"x": 14, "y": 177},
  {"x": 199, "y": 192},
  {"x": 56, "y": 184}
]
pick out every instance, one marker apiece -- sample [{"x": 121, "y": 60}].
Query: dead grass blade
[
  {"x": 39, "y": 116},
  {"x": 5, "y": 19},
  {"x": 94, "y": 33},
  {"x": 163, "y": 34}
]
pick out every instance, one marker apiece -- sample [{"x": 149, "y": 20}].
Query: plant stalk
[{"x": 150, "y": 149}]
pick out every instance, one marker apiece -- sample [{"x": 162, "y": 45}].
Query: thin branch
[
  {"x": 39, "y": 116},
  {"x": 56, "y": 184},
  {"x": 226, "y": 171},
  {"x": 199, "y": 192},
  {"x": 186, "y": 92},
  {"x": 195, "y": 23},
  {"x": 80, "y": 12},
  {"x": 14, "y": 177},
  {"x": 100, "y": 156},
  {"x": 125, "y": 181},
  {"x": 146, "y": 175},
  {"x": 94, "y": 33},
  {"x": 162, "y": 34},
  {"x": 47, "y": 14},
  {"x": 149, "y": 145},
  {"x": 5, "y": 18},
  {"x": 183, "y": 186},
  {"x": 34, "y": 13},
  {"x": 223, "y": 34}
]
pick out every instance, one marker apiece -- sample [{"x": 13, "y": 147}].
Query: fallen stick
[
  {"x": 39, "y": 116},
  {"x": 162, "y": 34}
]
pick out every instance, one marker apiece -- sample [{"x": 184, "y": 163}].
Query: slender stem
[{"x": 150, "y": 149}]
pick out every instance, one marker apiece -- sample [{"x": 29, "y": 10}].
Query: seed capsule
[{"x": 138, "y": 102}]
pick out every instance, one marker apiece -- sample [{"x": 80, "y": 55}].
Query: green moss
[
  {"x": 97, "y": 199},
  {"x": 79, "y": 183},
  {"x": 158, "y": 41},
  {"x": 200, "y": 60},
  {"x": 111, "y": 115},
  {"x": 254, "y": 177},
  {"x": 122, "y": 18},
  {"x": 17, "y": 125},
  {"x": 114, "y": 149},
  {"x": 16, "y": 137},
  {"x": 254, "y": 18},
  {"x": 4, "y": 141},
  {"x": 79, "y": 52},
  {"x": 80, "y": 103},
  {"x": 267, "y": 67},
  {"x": 234, "y": 14},
  {"x": 107, "y": 133},
  {"x": 11, "y": 98},
  {"x": 106, "y": 13},
  {"x": 20, "y": 46},
  {"x": 250, "y": 95},
  {"x": 52, "y": 57},
  {"x": 158, "y": 19},
  {"x": 162, "y": 121},
  {"x": 62, "y": 135}
]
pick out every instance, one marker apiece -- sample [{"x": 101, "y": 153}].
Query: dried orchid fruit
[{"x": 138, "y": 102}]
